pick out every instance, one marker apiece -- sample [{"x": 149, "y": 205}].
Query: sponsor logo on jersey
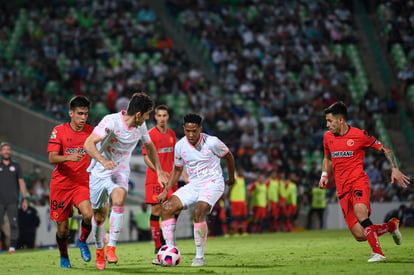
[
  {"x": 166, "y": 150},
  {"x": 73, "y": 150},
  {"x": 342, "y": 154}
]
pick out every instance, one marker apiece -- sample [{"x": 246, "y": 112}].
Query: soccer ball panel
[{"x": 169, "y": 256}]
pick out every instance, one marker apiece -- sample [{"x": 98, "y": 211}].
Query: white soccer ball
[{"x": 169, "y": 255}]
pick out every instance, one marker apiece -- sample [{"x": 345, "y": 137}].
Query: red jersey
[
  {"x": 347, "y": 153},
  {"x": 65, "y": 141},
  {"x": 164, "y": 143}
]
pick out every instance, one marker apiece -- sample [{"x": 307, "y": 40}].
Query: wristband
[{"x": 324, "y": 174}]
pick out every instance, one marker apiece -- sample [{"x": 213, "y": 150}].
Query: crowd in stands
[
  {"x": 397, "y": 26},
  {"x": 278, "y": 69}
]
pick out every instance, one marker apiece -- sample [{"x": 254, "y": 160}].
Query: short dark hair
[
  {"x": 79, "y": 101},
  {"x": 161, "y": 107},
  {"x": 193, "y": 118},
  {"x": 139, "y": 102},
  {"x": 338, "y": 108}
]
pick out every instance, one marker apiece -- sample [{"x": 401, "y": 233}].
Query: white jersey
[
  {"x": 118, "y": 142},
  {"x": 202, "y": 161}
]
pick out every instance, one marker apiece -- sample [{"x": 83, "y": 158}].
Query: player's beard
[{"x": 5, "y": 158}]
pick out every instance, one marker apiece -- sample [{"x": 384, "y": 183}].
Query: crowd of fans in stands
[{"x": 277, "y": 69}]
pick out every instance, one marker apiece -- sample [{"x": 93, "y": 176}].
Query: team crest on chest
[
  {"x": 12, "y": 169},
  {"x": 350, "y": 142}
]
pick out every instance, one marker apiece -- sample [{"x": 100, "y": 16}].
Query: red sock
[
  {"x": 244, "y": 226},
  {"x": 225, "y": 228},
  {"x": 372, "y": 238},
  {"x": 384, "y": 228},
  {"x": 85, "y": 231},
  {"x": 156, "y": 233},
  {"x": 236, "y": 226},
  {"x": 62, "y": 244}
]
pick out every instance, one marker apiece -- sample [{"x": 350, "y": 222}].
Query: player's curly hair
[
  {"x": 193, "y": 118},
  {"x": 139, "y": 102},
  {"x": 79, "y": 101},
  {"x": 338, "y": 108}
]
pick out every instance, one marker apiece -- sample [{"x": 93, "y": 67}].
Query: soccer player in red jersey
[
  {"x": 70, "y": 180},
  {"x": 344, "y": 148},
  {"x": 164, "y": 140}
]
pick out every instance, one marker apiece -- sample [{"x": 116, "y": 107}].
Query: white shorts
[
  {"x": 210, "y": 193},
  {"x": 101, "y": 188}
]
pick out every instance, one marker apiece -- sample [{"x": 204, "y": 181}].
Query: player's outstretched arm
[
  {"x": 90, "y": 148},
  {"x": 230, "y": 167},
  {"x": 396, "y": 174},
  {"x": 153, "y": 157},
  {"x": 326, "y": 169}
]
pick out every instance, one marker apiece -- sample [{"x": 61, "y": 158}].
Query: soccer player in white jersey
[
  {"x": 110, "y": 146},
  {"x": 200, "y": 154}
]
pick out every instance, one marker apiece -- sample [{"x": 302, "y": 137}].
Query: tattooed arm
[{"x": 396, "y": 174}]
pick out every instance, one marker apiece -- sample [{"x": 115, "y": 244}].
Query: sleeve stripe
[{"x": 55, "y": 143}]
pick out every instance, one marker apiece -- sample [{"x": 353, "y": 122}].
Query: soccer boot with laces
[
  {"x": 375, "y": 257},
  {"x": 396, "y": 234},
  {"x": 198, "y": 262},
  {"x": 84, "y": 250},
  {"x": 100, "y": 259},
  {"x": 110, "y": 255},
  {"x": 65, "y": 263}
]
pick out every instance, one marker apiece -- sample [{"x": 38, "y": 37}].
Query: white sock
[
  {"x": 200, "y": 238},
  {"x": 98, "y": 233},
  {"x": 116, "y": 221},
  {"x": 168, "y": 231}
]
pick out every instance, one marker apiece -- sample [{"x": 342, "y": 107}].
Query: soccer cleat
[
  {"x": 156, "y": 262},
  {"x": 157, "y": 249},
  {"x": 100, "y": 259},
  {"x": 84, "y": 250},
  {"x": 198, "y": 262},
  {"x": 396, "y": 234},
  {"x": 12, "y": 250},
  {"x": 65, "y": 263},
  {"x": 375, "y": 257},
  {"x": 110, "y": 255}
]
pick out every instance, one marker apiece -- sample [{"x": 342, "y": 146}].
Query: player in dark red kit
[
  {"x": 70, "y": 180},
  {"x": 344, "y": 148},
  {"x": 164, "y": 140}
]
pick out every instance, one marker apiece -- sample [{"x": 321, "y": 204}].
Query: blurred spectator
[{"x": 29, "y": 221}]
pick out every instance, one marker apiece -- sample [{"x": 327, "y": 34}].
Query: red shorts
[
  {"x": 274, "y": 209},
  {"x": 153, "y": 190},
  {"x": 238, "y": 208},
  {"x": 359, "y": 194},
  {"x": 61, "y": 201},
  {"x": 259, "y": 212}
]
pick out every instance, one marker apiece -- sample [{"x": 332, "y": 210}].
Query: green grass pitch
[{"x": 309, "y": 252}]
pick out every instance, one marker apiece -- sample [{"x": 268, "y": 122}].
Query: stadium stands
[{"x": 282, "y": 63}]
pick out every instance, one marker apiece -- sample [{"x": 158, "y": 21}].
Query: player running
[
  {"x": 69, "y": 185},
  {"x": 344, "y": 148},
  {"x": 164, "y": 140},
  {"x": 110, "y": 145},
  {"x": 200, "y": 154}
]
